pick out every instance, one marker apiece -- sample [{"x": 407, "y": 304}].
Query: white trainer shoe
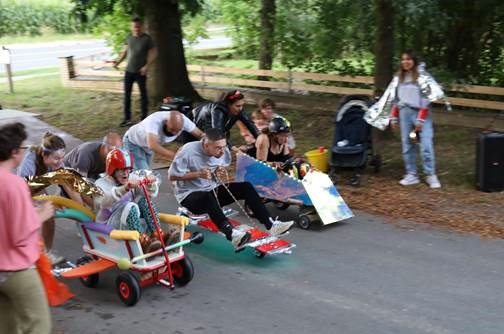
[
  {"x": 433, "y": 181},
  {"x": 409, "y": 180},
  {"x": 239, "y": 239},
  {"x": 279, "y": 227}
]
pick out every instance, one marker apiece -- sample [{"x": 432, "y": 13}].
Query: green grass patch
[{"x": 45, "y": 70}]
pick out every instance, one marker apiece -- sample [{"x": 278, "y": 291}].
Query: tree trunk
[
  {"x": 267, "y": 40},
  {"x": 384, "y": 47},
  {"x": 168, "y": 76}
]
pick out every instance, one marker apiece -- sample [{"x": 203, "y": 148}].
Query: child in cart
[{"x": 123, "y": 204}]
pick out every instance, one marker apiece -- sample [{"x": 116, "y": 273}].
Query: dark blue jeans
[{"x": 129, "y": 79}]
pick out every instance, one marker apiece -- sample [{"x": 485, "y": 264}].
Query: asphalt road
[
  {"x": 37, "y": 55},
  {"x": 360, "y": 276},
  {"x": 357, "y": 277}
]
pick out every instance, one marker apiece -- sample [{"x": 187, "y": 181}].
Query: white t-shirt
[{"x": 137, "y": 134}]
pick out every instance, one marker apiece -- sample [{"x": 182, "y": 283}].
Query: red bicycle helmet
[{"x": 118, "y": 159}]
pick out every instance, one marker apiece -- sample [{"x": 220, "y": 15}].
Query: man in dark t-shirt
[
  {"x": 89, "y": 158},
  {"x": 140, "y": 50}
]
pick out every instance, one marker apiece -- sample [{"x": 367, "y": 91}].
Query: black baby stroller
[
  {"x": 352, "y": 143},
  {"x": 177, "y": 103},
  {"x": 182, "y": 105}
]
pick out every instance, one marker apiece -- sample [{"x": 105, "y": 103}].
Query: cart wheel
[
  {"x": 304, "y": 222},
  {"x": 128, "y": 288},
  {"x": 281, "y": 205},
  {"x": 90, "y": 281},
  {"x": 260, "y": 255},
  {"x": 183, "y": 271},
  {"x": 376, "y": 162}
]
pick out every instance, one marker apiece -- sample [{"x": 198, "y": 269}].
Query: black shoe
[
  {"x": 355, "y": 180},
  {"x": 240, "y": 241},
  {"x": 125, "y": 123}
]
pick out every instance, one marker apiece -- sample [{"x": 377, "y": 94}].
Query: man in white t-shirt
[{"x": 146, "y": 137}]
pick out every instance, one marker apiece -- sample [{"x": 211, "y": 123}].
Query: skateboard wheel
[
  {"x": 90, "y": 281},
  {"x": 260, "y": 255},
  {"x": 304, "y": 222}
]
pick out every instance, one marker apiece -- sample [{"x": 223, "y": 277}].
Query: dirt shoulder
[{"x": 467, "y": 211}]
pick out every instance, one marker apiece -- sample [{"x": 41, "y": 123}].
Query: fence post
[
  {"x": 5, "y": 58},
  {"x": 289, "y": 80},
  {"x": 67, "y": 69},
  {"x": 203, "y": 75}
]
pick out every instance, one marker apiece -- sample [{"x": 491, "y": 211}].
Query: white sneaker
[
  {"x": 409, "y": 180},
  {"x": 239, "y": 239},
  {"x": 433, "y": 181},
  {"x": 55, "y": 257},
  {"x": 279, "y": 227}
]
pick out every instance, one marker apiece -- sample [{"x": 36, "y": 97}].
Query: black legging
[{"x": 201, "y": 202}]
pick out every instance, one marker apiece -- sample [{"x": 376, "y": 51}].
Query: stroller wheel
[
  {"x": 355, "y": 180},
  {"x": 376, "y": 162}
]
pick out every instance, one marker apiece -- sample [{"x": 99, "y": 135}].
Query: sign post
[{"x": 5, "y": 58}]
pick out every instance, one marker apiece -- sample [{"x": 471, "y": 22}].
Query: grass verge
[{"x": 44, "y": 70}]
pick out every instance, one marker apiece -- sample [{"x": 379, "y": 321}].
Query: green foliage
[
  {"x": 31, "y": 17},
  {"x": 460, "y": 40},
  {"x": 114, "y": 17},
  {"x": 244, "y": 21},
  {"x": 114, "y": 27},
  {"x": 312, "y": 35}
]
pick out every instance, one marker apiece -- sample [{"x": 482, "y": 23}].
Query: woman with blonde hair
[{"x": 40, "y": 159}]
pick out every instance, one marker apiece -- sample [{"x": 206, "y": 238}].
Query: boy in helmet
[{"x": 123, "y": 201}]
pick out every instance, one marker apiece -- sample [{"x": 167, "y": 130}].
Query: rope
[{"x": 220, "y": 182}]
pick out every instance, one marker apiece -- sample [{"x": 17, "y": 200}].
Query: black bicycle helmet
[{"x": 279, "y": 125}]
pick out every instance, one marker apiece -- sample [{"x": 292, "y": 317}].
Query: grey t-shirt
[
  {"x": 86, "y": 159},
  {"x": 409, "y": 94},
  {"x": 28, "y": 166},
  {"x": 138, "y": 49},
  {"x": 191, "y": 158}
]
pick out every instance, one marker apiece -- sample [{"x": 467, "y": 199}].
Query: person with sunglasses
[
  {"x": 38, "y": 160},
  {"x": 162, "y": 127},
  {"x": 23, "y": 303},
  {"x": 89, "y": 158},
  {"x": 201, "y": 186},
  {"x": 223, "y": 114}
]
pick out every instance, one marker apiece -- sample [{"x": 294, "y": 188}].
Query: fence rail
[{"x": 469, "y": 96}]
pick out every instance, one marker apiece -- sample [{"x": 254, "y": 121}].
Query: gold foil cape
[{"x": 63, "y": 177}]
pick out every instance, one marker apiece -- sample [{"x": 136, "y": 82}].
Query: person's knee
[{"x": 247, "y": 186}]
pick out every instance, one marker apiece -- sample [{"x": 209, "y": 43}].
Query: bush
[{"x": 32, "y": 17}]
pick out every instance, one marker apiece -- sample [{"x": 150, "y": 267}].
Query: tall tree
[
  {"x": 267, "y": 37},
  {"x": 384, "y": 45},
  {"x": 169, "y": 75}
]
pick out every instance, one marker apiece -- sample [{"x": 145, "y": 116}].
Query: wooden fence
[{"x": 94, "y": 74}]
